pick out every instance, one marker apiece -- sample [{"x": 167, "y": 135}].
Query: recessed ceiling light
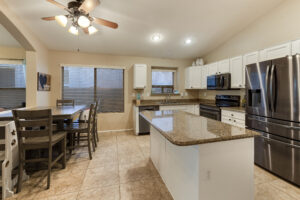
[
  {"x": 188, "y": 41},
  {"x": 156, "y": 37}
]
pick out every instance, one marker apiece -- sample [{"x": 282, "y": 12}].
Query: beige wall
[
  {"x": 36, "y": 54},
  {"x": 12, "y": 52},
  {"x": 112, "y": 121},
  {"x": 277, "y": 26}
]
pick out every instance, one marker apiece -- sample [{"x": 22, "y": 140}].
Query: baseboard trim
[{"x": 114, "y": 131}]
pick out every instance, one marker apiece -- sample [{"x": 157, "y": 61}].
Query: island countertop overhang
[{"x": 185, "y": 129}]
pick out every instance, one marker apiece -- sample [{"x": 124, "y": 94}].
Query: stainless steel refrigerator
[{"x": 273, "y": 109}]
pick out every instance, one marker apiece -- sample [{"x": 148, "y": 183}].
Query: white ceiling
[
  {"x": 208, "y": 22},
  {"x": 6, "y": 39}
]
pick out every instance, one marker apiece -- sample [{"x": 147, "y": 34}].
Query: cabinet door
[
  {"x": 140, "y": 76},
  {"x": 188, "y": 77},
  {"x": 236, "y": 70},
  {"x": 223, "y": 66},
  {"x": 276, "y": 52},
  {"x": 296, "y": 47},
  {"x": 196, "y": 77},
  {"x": 248, "y": 59},
  {"x": 204, "y": 73},
  {"x": 212, "y": 69}
]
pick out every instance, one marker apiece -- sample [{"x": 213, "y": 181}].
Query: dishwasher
[{"x": 144, "y": 126}]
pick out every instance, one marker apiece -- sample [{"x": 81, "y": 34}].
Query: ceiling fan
[{"x": 78, "y": 13}]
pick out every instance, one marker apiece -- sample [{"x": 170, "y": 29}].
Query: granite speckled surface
[
  {"x": 184, "y": 129},
  {"x": 235, "y": 109},
  {"x": 172, "y": 102}
]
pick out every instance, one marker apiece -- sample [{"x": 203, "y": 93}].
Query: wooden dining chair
[
  {"x": 79, "y": 129},
  {"x": 34, "y": 131},
  {"x": 65, "y": 102}
]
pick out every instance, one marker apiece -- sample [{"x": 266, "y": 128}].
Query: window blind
[
  {"x": 86, "y": 85},
  {"x": 12, "y": 84}
]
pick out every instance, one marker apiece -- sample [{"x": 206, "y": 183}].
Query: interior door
[
  {"x": 257, "y": 87},
  {"x": 284, "y": 88}
]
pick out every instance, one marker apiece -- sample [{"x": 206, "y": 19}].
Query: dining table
[{"x": 58, "y": 112}]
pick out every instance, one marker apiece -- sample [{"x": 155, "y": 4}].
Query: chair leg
[
  {"x": 93, "y": 142},
  {"x": 71, "y": 143},
  {"x": 78, "y": 138},
  {"x": 94, "y": 137},
  {"x": 89, "y": 146},
  {"x": 63, "y": 149},
  {"x": 49, "y": 167},
  {"x": 20, "y": 173},
  {"x": 97, "y": 131}
]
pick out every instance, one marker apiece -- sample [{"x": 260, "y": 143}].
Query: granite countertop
[
  {"x": 172, "y": 102},
  {"x": 184, "y": 129},
  {"x": 235, "y": 109}
]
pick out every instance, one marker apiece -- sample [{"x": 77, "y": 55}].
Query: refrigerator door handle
[
  {"x": 267, "y": 88},
  {"x": 285, "y": 126},
  {"x": 273, "y": 87},
  {"x": 286, "y": 144}
]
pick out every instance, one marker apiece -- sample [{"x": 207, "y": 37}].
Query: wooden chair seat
[
  {"x": 76, "y": 127},
  {"x": 57, "y": 137}
]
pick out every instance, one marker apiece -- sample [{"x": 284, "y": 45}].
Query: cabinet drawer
[
  {"x": 233, "y": 121},
  {"x": 236, "y": 115}
]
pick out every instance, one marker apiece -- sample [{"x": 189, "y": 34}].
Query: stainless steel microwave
[{"x": 219, "y": 82}]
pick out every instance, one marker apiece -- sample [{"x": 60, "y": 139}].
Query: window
[
  {"x": 163, "y": 81},
  {"x": 85, "y": 85},
  {"x": 12, "y": 84}
]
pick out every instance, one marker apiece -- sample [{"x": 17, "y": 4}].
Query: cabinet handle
[
  {"x": 229, "y": 119},
  {"x": 234, "y": 121},
  {"x": 13, "y": 132},
  {"x": 232, "y": 115},
  {"x": 13, "y": 142}
]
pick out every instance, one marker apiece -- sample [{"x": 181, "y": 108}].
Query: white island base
[{"x": 211, "y": 171}]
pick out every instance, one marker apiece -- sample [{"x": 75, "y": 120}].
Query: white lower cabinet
[
  {"x": 193, "y": 109},
  {"x": 233, "y": 118}
]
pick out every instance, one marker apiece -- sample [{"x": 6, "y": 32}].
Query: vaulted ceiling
[
  {"x": 209, "y": 23},
  {"x": 7, "y": 39}
]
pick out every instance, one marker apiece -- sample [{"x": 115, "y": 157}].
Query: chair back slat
[
  {"x": 91, "y": 118},
  {"x": 33, "y": 123},
  {"x": 33, "y": 114},
  {"x": 34, "y": 133},
  {"x": 65, "y": 102}
]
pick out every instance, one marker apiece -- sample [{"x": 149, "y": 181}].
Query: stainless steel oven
[{"x": 211, "y": 112}]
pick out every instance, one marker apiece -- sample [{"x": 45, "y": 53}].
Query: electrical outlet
[{"x": 204, "y": 94}]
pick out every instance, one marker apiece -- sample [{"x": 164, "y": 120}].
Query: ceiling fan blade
[
  {"x": 105, "y": 22},
  {"x": 57, "y": 4},
  {"x": 89, "y": 5},
  {"x": 86, "y": 30},
  {"x": 48, "y": 18}
]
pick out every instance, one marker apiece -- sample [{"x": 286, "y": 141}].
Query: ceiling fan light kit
[
  {"x": 74, "y": 30},
  {"x": 61, "y": 20},
  {"x": 79, "y": 15}
]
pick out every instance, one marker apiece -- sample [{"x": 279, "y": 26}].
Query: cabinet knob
[
  {"x": 13, "y": 132},
  {"x": 232, "y": 115}
]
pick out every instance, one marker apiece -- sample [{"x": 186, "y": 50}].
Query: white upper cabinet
[
  {"x": 193, "y": 77},
  {"x": 196, "y": 77},
  {"x": 237, "y": 72},
  {"x": 212, "y": 69},
  {"x": 295, "y": 47},
  {"x": 223, "y": 66},
  {"x": 204, "y": 73},
  {"x": 251, "y": 58},
  {"x": 139, "y": 76},
  {"x": 276, "y": 52}
]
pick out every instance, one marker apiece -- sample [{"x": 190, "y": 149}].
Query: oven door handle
[
  {"x": 285, "y": 126},
  {"x": 286, "y": 144}
]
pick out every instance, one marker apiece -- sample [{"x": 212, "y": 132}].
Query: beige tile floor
[{"x": 121, "y": 169}]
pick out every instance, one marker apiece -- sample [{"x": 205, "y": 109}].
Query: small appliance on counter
[
  {"x": 219, "y": 82},
  {"x": 213, "y": 110}
]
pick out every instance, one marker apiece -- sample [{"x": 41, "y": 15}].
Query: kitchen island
[{"x": 200, "y": 158}]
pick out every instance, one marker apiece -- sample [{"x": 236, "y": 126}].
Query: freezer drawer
[
  {"x": 279, "y": 155},
  {"x": 277, "y": 127}
]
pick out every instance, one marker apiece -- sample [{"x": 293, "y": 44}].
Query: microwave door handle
[
  {"x": 267, "y": 88},
  {"x": 222, "y": 81},
  {"x": 273, "y": 88}
]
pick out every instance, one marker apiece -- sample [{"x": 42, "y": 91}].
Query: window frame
[
  {"x": 162, "y": 87},
  {"x": 95, "y": 83}
]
